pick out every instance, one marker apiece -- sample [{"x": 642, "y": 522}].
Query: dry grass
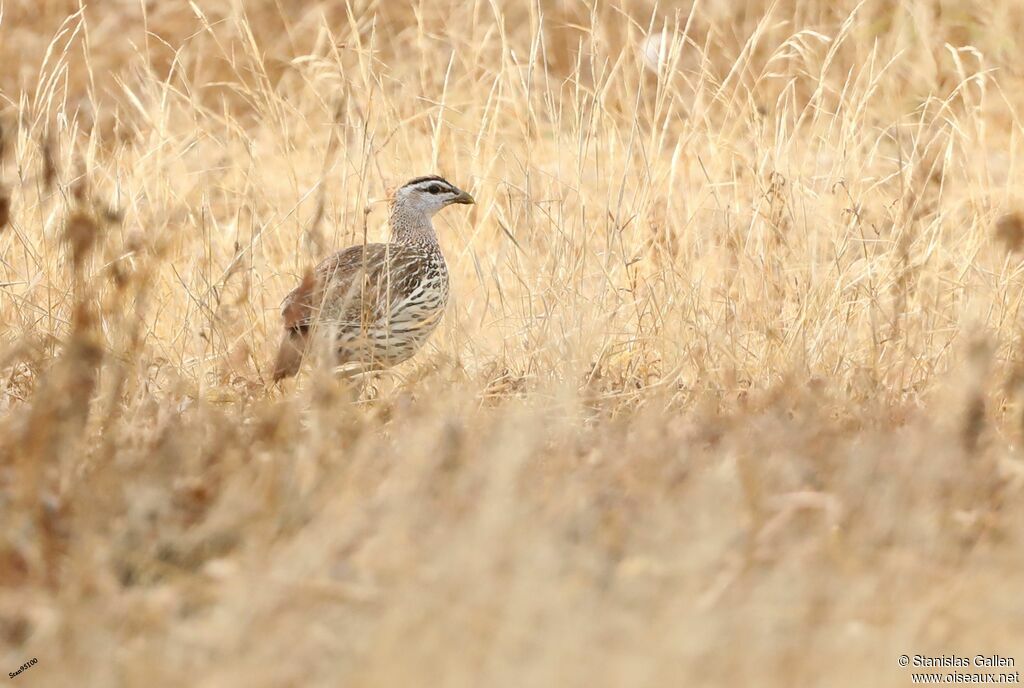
[{"x": 730, "y": 392}]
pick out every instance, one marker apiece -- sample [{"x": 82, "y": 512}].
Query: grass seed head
[
  {"x": 1010, "y": 231},
  {"x": 5, "y": 208},
  {"x": 80, "y": 189},
  {"x": 80, "y": 235},
  {"x": 49, "y": 163}
]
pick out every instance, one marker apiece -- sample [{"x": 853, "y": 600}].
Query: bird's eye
[{"x": 434, "y": 189}]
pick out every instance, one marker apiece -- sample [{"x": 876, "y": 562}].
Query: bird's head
[{"x": 427, "y": 195}]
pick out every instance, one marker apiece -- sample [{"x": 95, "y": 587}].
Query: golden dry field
[{"x": 730, "y": 391}]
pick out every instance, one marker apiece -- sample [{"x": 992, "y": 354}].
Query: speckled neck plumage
[{"x": 411, "y": 227}]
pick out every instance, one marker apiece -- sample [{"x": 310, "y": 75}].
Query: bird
[{"x": 378, "y": 303}]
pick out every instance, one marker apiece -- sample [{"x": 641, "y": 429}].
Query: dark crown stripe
[{"x": 428, "y": 178}]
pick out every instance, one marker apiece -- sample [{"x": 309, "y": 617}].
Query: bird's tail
[{"x": 289, "y": 354}]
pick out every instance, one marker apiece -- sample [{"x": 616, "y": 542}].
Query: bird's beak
[{"x": 463, "y": 198}]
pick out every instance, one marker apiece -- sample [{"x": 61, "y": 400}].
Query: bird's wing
[{"x": 354, "y": 286}]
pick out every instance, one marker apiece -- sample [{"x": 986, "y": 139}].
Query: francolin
[{"x": 377, "y": 303}]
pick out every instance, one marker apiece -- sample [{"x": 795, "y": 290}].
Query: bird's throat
[{"x": 411, "y": 227}]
